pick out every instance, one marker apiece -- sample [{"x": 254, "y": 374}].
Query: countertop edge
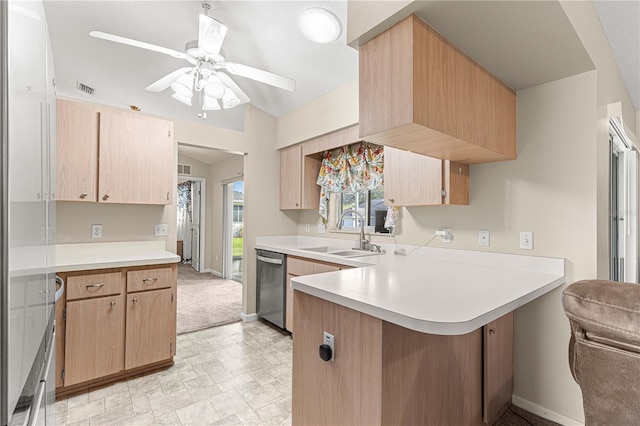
[
  {"x": 424, "y": 326},
  {"x": 71, "y": 267}
]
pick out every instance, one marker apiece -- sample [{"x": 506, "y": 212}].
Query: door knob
[{"x": 106, "y": 197}]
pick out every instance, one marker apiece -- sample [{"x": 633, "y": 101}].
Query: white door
[{"x": 195, "y": 225}]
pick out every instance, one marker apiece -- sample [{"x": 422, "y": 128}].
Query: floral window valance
[{"x": 355, "y": 167}]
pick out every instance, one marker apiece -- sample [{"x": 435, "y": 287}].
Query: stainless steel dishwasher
[{"x": 271, "y": 276}]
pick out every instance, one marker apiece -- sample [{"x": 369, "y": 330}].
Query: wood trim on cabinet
[{"x": 65, "y": 391}]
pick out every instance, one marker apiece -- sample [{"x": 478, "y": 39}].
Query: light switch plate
[
  {"x": 526, "y": 240},
  {"x": 96, "y": 231}
]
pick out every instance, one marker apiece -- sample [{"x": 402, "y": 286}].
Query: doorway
[
  {"x": 191, "y": 207},
  {"x": 233, "y": 226},
  {"x": 623, "y": 205}
]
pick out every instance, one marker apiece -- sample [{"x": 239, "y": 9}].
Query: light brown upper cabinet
[
  {"x": 110, "y": 156},
  {"x": 298, "y": 175},
  {"x": 136, "y": 159},
  {"x": 412, "y": 179},
  {"x": 77, "y": 151},
  {"x": 420, "y": 93}
]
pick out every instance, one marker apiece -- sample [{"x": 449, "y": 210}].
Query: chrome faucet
[{"x": 363, "y": 244}]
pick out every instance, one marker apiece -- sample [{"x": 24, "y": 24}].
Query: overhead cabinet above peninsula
[
  {"x": 420, "y": 93},
  {"x": 110, "y": 156}
]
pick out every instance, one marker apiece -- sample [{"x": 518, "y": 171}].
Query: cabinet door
[
  {"x": 94, "y": 344},
  {"x": 150, "y": 326},
  {"x": 411, "y": 179},
  {"x": 77, "y": 151},
  {"x": 291, "y": 178},
  {"x": 498, "y": 366},
  {"x": 136, "y": 159}
]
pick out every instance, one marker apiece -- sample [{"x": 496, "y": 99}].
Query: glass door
[{"x": 233, "y": 220}]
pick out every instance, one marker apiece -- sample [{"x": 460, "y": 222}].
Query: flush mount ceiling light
[{"x": 319, "y": 25}]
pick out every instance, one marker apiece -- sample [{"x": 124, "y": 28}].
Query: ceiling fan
[{"x": 207, "y": 71}]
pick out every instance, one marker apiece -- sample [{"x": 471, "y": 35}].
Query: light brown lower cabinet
[
  {"x": 107, "y": 329},
  {"x": 297, "y": 266},
  {"x": 94, "y": 339},
  {"x": 149, "y": 330},
  {"x": 386, "y": 374}
]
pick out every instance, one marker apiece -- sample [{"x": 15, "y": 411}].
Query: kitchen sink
[
  {"x": 352, "y": 253},
  {"x": 317, "y": 249},
  {"x": 340, "y": 252}
]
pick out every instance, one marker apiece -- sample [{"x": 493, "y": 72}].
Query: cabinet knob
[
  {"x": 392, "y": 200},
  {"x": 134, "y": 300},
  {"x": 83, "y": 195},
  {"x": 325, "y": 352},
  {"x": 149, "y": 280},
  {"x": 492, "y": 331},
  {"x": 106, "y": 197},
  {"x": 297, "y": 205},
  {"x": 112, "y": 304}
]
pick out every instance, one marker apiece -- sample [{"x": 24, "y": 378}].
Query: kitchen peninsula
[{"x": 420, "y": 339}]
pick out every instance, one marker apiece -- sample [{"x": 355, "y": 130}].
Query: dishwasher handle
[{"x": 269, "y": 260}]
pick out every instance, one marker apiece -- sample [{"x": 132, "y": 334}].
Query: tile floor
[{"x": 236, "y": 374}]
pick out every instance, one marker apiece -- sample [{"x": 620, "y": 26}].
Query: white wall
[{"x": 335, "y": 110}]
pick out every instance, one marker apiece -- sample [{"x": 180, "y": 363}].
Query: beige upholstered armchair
[{"x": 604, "y": 351}]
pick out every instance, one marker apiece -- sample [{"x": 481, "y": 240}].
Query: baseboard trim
[
  {"x": 248, "y": 318},
  {"x": 544, "y": 412},
  {"x": 216, "y": 273}
]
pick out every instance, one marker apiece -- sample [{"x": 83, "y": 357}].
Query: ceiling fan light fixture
[
  {"x": 230, "y": 100},
  {"x": 214, "y": 89},
  {"x": 319, "y": 25},
  {"x": 183, "y": 86},
  {"x": 184, "y": 99},
  {"x": 210, "y": 104}
]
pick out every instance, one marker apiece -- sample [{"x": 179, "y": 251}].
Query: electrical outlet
[
  {"x": 307, "y": 228},
  {"x": 161, "y": 230},
  {"x": 445, "y": 235},
  {"x": 483, "y": 238},
  {"x": 321, "y": 228},
  {"x": 526, "y": 240},
  {"x": 329, "y": 341},
  {"x": 96, "y": 231}
]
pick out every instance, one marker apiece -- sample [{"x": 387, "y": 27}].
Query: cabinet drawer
[
  {"x": 149, "y": 279},
  {"x": 94, "y": 285}
]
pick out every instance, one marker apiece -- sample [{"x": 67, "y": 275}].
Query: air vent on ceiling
[
  {"x": 84, "y": 88},
  {"x": 184, "y": 169}
]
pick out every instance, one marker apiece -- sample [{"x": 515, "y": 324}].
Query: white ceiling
[
  {"x": 262, "y": 34},
  {"x": 525, "y": 43},
  {"x": 621, "y": 22},
  {"x": 205, "y": 155}
]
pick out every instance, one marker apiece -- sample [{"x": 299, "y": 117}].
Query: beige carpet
[{"x": 205, "y": 300}]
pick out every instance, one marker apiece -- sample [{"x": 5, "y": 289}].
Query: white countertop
[
  {"x": 80, "y": 257},
  {"x": 433, "y": 290}
]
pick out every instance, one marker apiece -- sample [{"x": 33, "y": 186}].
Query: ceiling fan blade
[
  {"x": 143, "y": 45},
  {"x": 166, "y": 81},
  {"x": 211, "y": 35},
  {"x": 233, "y": 86},
  {"x": 260, "y": 75}
]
